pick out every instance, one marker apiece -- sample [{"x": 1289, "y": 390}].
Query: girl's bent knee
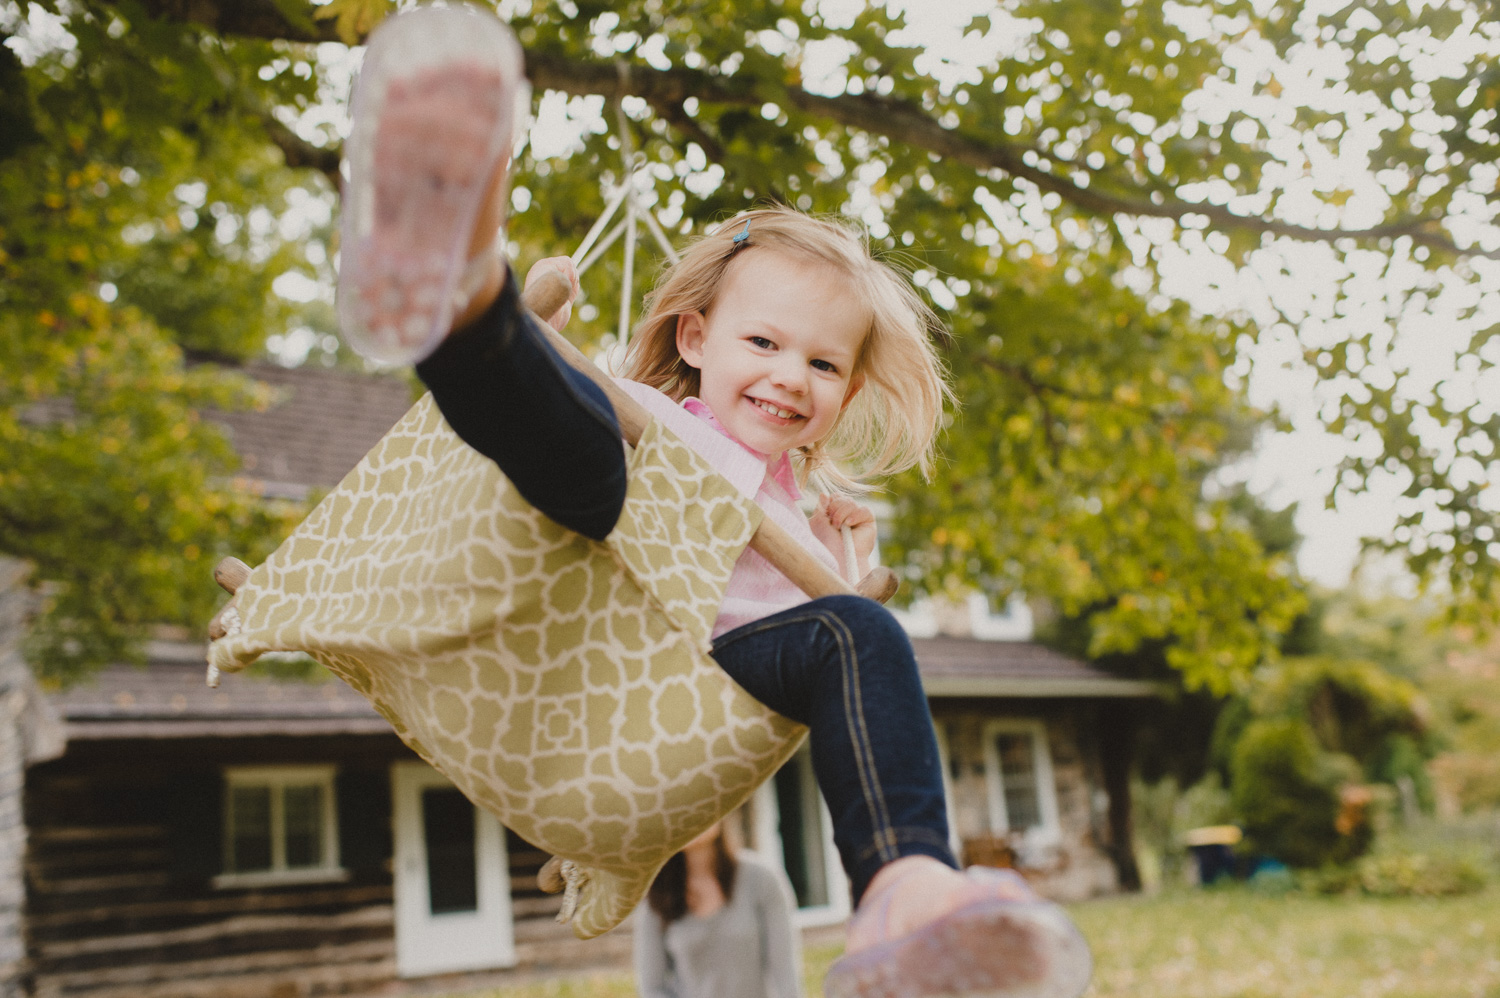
[{"x": 865, "y": 618}]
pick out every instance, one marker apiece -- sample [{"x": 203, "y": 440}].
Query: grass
[{"x": 1237, "y": 942}]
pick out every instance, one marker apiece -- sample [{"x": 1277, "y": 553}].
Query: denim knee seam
[{"x": 906, "y": 836}]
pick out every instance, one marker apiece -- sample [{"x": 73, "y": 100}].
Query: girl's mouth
[{"x": 775, "y": 410}]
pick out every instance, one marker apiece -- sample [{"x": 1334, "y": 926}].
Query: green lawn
[{"x": 1237, "y": 943}]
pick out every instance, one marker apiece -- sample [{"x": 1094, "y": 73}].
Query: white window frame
[
  {"x": 945, "y": 760},
  {"x": 278, "y": 778},
  {"x": 1049, "y": 832}
]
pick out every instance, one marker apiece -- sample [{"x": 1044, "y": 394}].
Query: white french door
[
  {"x": 793, "y": 826},
  {"x": 452, "y": 880}
]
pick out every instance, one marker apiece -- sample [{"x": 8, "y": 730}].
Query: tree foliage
[
  {"x": 1049, "y": 200},
  {"x": 118, "y": 265}
]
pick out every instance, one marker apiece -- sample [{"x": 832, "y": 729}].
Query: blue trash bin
[{"x": 1213, "y": 850}]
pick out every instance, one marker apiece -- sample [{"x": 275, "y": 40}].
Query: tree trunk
[{"x": 1117, "y": 750}]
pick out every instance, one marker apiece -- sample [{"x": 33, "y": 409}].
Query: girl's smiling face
[{"x": 777, "y": 352}]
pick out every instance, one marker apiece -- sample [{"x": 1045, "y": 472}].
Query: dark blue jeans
[{"x": 841, "y": 665}]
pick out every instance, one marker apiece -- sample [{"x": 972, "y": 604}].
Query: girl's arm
[{"x": 828, "y": 522}]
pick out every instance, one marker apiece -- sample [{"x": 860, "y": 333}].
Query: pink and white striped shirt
[{"x": 756, "y": 589}]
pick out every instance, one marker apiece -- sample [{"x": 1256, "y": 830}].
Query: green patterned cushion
[{"x": 563, "y": 684}]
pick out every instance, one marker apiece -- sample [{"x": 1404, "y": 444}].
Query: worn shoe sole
[
  {"x": 988, "y": 949},
  {"x": 434, "y": 110}
]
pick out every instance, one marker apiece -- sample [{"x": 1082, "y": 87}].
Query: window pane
[
  {"x": 452, "y": 874},
  {"x": 1018, "y": 777},
  {"x": 250, "y": 824},
  {"x": 303, "y": 808}
]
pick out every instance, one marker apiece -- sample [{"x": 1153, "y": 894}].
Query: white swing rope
[{"x": 628, "y": 194}]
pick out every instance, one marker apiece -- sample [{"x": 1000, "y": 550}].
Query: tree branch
[
  {"x": 904, "y": 122},
  {"x": 263, "y": 19},
  {"x": 300, "y": 153},
  {"x": 1040, "y": 388},
  {"x": 676, "y": 116},
  {"x": 897, "y": 119}
]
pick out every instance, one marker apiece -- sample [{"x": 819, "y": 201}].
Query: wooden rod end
[
  {"x": 230, "y": 574},
  {"x": 880, "y": 585},
  {"x": 547, "y": 292}
]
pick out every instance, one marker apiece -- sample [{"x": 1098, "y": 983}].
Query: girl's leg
[
  {"x": 844, "y": 667},
  {"x": 551, "y": 430},
  {"x": 434, "y": 111}
]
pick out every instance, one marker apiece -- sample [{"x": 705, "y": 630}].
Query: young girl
[
  {"x": 783, "y": 353},
  {"x": 717, "y": 924}
]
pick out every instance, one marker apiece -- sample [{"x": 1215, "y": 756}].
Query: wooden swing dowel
[
  {"x": 544, "y": 295},
  {"x": 879, "y": 585},
  {"x": 231, "y": 573}
]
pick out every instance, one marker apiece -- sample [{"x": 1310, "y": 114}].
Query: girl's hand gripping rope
[{"x": 833, "y": 514}]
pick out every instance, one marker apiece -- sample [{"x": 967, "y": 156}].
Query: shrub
[
  {"x": 1402, "y": 874},
  {"x": 1286, "y": 790},
  {"x": 1420, "y": 875}
]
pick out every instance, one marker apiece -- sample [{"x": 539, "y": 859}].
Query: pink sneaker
[
  {"x": 990, "y": 946},
  {"x": 434, "y": 111}
]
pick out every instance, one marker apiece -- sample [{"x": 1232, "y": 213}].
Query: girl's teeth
[{"x": 783, "y": 413}]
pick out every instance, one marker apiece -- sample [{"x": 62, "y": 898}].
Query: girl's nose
[{"x": 790, "y": 375}]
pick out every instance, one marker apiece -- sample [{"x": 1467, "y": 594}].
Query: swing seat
[{"x": 563, "y": 684}]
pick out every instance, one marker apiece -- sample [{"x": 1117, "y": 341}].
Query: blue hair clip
[{"x": 741, "y": 237}]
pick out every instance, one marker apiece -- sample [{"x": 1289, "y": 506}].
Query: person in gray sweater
[{"x": 717, "y": 924}]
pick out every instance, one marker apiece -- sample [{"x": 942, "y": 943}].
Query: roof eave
[
  {"x": 135, "y": 729},
  {"x": 1036, "y": 689}
]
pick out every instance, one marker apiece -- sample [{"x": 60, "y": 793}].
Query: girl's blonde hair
[{"x": 892, "y": 423}]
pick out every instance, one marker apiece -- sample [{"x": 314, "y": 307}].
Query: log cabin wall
[
  {"x": 126, "y": 841},
  {"x": 13, "y": 673},
  {"x": 12, "y": 848}
]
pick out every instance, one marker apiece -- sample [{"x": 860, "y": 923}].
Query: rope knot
[{"x": 575, "y": 877}]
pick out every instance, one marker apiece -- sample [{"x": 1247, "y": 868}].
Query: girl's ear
[
  {"x": 855, "y": 384},
  {"x": 690, "y": 333}
]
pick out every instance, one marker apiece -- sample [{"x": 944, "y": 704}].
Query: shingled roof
[
  {"x": 322, "y": 422},
  {"x": 974, "y": 667},
  {"x": 169, "y": 698}
]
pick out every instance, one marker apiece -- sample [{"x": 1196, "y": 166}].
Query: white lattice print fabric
[{"x": 563, "y": 684}]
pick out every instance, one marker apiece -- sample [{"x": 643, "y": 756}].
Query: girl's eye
[
  {"x": 761, "y": 342},
  {"x": 823, "y": 365}
]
